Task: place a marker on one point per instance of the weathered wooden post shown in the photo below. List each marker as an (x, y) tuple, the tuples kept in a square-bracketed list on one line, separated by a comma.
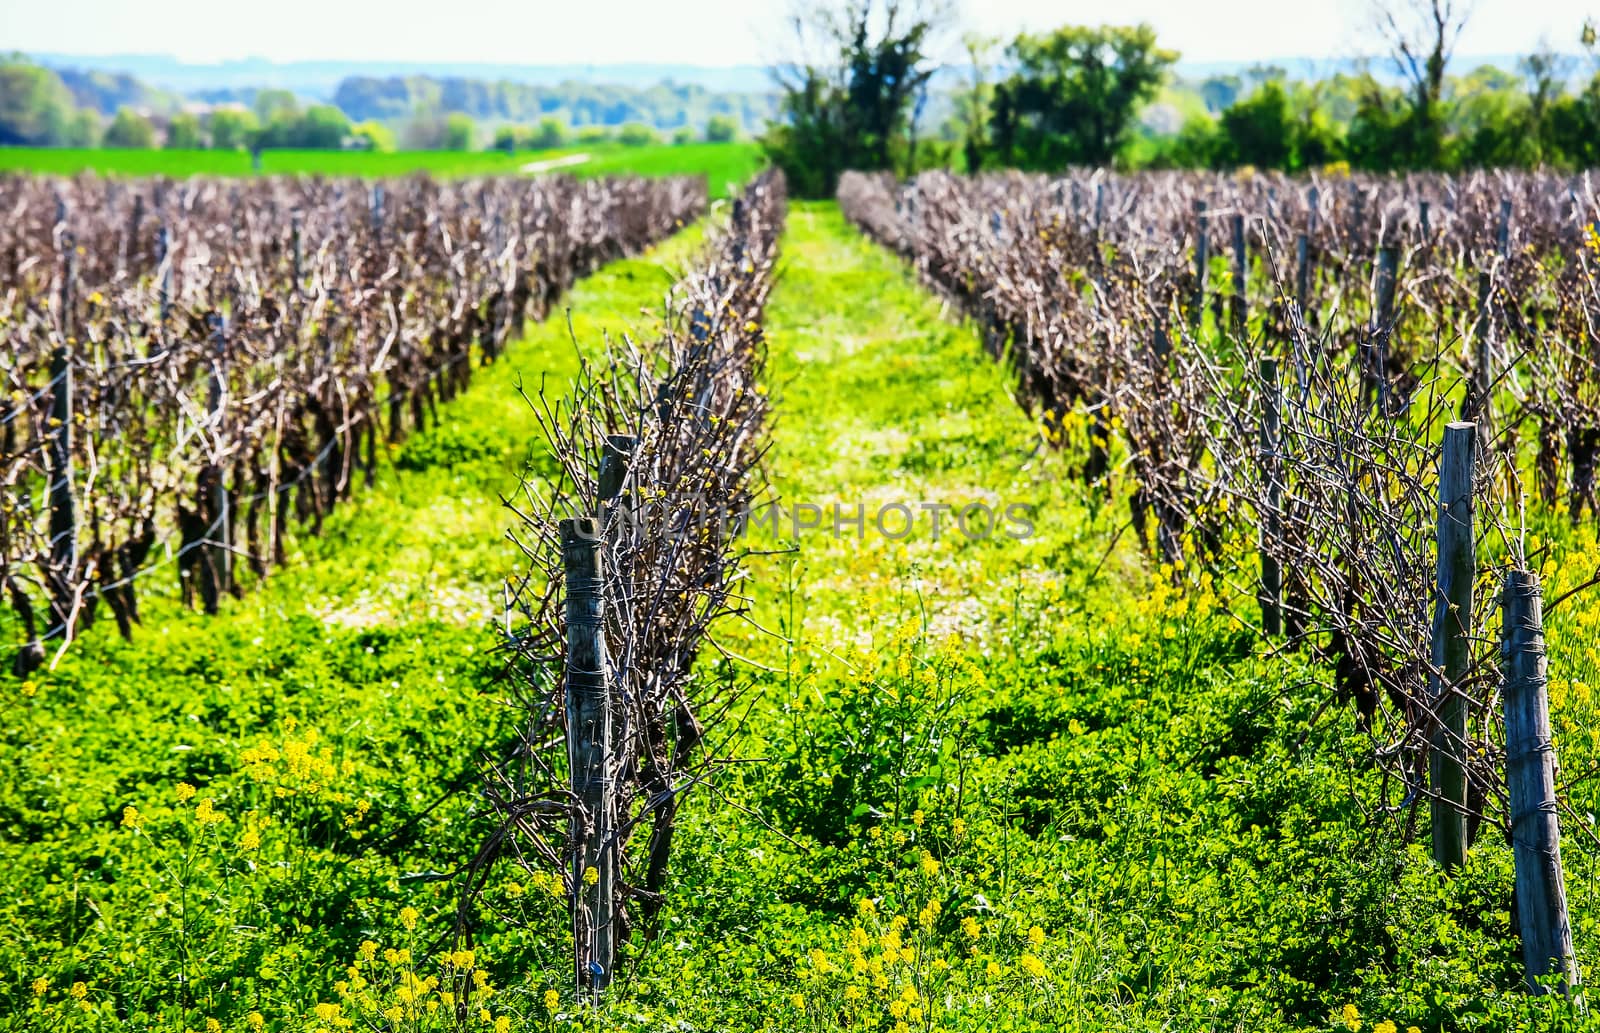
[(1427, 229), (1382, 330), (1482, 329), (592, 844), (1388, 274), (1358, 211), (294, 249), (1541, 890), (375, 211), (1241, 269), (1302, 274), (1452, 644), (63, 517), (1502, 236), (220, 536), (130, 247), (1202, 258), (1271, 519), (164, 264)]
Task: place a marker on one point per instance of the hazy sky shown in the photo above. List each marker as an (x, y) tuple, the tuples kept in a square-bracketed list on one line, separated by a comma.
[(702, 32)]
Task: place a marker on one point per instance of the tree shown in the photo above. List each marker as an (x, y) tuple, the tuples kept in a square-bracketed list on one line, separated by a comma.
[(129, 129), (232, 128), (1491, 123), (552, 133), (458, 132), (1574, 128), (83, 129), (1072, 97), (684, 135), (1220, 91), (272, 105), (974, 106), (183, 133), (35, 106), (373, 136), (721, 129), (849, 93), (1421, 35), (1544, 72), (1258, 130), (636, 134)]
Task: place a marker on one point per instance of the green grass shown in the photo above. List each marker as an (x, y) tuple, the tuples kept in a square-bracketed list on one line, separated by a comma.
[(997, 784), (721, 163)]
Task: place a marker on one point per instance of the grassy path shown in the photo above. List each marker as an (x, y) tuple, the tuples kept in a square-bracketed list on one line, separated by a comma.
[(890, 412)]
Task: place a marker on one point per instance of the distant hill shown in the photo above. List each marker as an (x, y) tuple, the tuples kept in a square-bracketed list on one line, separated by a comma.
[(105, 92), (319, 80), (665, 105)]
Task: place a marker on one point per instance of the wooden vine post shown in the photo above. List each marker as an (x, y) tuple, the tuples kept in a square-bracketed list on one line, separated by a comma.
[(220, 534), (63, 511), (1272, 519), (1241, 268), (1452, 644), (1482, 374), (592, 845), (1383, 323), (1541, 893), (63, 516), (1302, 274), (1202, 258)]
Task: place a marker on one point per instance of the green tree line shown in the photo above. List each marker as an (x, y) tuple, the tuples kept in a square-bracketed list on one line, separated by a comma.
[(1083, 95)]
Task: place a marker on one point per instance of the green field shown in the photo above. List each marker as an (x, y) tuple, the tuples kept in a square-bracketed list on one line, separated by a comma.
[(991, 784), (723, 164)]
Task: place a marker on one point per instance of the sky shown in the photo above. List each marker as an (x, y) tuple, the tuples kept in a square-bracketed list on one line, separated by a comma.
[(699, 32)]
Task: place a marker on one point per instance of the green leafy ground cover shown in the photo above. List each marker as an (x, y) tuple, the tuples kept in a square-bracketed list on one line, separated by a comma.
[(724, 164), (992, 783)]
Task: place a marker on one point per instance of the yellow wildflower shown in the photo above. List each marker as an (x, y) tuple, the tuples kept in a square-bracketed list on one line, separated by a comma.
[(918, 818), (969, 925), (1386, 1026), (1350, 1015), (79, 991), (930, 865), (213, 1026), (40, 986), (255, 1020), (591, 875), (131, 818), (185, 792), (408, 917), (1032, 966), (1036, 937), (799, 1002), (552, 1000)]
